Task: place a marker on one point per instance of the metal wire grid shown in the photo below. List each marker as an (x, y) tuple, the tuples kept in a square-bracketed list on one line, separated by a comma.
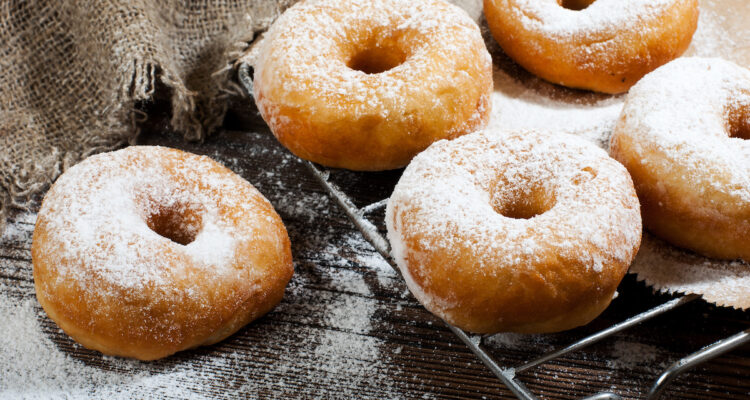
[(507, 375)]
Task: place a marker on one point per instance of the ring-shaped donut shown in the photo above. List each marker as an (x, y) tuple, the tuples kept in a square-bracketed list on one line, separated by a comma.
[(367, 84), (602, 45), (683, 136), (147, 251), (517, 231)]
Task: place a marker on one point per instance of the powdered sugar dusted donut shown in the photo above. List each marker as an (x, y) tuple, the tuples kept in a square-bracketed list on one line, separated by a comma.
[(367, 84), (147, 251), (683, 137), (521, 231), (602, 45)]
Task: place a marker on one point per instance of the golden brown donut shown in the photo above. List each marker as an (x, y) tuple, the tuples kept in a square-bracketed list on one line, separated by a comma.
[(367, 84), (602, 45), (683, 136), (147, 251), (514, 231)]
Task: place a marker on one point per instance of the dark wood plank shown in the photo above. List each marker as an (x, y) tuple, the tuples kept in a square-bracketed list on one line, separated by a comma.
[(348, 328)]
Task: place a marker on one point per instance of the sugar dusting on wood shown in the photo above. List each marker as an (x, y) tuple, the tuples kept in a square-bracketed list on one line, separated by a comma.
[(524, 101), (45, 363), (35, 367), (41, 362)]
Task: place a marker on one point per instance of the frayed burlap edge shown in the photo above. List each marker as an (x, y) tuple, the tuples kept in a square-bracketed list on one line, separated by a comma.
[(20, 191), (194, 114)]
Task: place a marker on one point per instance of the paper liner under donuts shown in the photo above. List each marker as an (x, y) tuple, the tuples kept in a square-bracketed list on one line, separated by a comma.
[(669, 269), (522, 100)]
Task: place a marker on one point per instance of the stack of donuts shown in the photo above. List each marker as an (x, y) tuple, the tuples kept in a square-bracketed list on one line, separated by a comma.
[(492, 230)]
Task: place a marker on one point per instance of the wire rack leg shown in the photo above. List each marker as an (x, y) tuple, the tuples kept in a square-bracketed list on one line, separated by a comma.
[(707, 353), (506, 375), (644, 316)]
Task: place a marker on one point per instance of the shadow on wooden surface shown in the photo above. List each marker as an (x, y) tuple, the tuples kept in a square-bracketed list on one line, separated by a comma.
[(347, 327)]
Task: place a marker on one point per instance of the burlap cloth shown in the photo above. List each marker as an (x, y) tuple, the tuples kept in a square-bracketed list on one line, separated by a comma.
[(72, 73)]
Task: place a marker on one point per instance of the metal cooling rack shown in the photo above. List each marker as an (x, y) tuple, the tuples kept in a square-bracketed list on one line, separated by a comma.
[(507, 374), (359, 216)]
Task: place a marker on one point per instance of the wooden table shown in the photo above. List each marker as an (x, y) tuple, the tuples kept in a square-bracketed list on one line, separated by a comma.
[(348, 327)]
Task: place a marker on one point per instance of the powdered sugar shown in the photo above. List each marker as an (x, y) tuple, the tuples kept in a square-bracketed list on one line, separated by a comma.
[(601, 18), (524, 105), (160, 247), (43, 373), (523, 101), (95, 216), (212, 246), (333, 340), (447, 203), (725, 283), (307, 60), (680, 112), (530, 344), (627, 355), (366, 255), (35, 368), (722, 31), (365, 84)]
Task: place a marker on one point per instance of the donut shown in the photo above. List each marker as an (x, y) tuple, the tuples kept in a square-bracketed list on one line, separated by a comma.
[(683, 136), (514, 231), (604, 46), (368, 84), (147, 251)]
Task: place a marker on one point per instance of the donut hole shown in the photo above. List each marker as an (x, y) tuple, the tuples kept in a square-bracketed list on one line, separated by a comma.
[(523, 204), (377, 58), (739, 122), (178, 222), (575, 5)]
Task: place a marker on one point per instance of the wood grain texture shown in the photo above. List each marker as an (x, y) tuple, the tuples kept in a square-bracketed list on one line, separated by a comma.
[(348, 328)]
